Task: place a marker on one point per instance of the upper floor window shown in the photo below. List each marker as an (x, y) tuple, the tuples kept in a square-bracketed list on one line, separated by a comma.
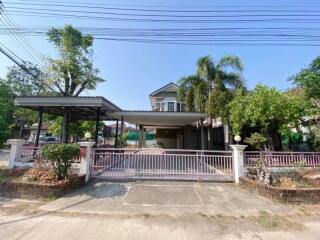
[(170, 106)]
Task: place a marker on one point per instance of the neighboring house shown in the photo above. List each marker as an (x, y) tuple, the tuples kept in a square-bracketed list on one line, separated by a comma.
[(33, 132)]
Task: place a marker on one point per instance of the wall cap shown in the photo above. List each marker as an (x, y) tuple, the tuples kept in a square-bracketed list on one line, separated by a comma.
[(86, 144), (16, 141), (238, 147)]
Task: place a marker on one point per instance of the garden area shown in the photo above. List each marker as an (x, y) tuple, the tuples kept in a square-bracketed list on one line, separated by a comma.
[(294, 184), (50, 177)]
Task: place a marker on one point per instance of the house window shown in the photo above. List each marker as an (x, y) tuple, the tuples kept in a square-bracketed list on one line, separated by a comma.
[(162, 107), (178, 107), (170, 106), (157, 106)]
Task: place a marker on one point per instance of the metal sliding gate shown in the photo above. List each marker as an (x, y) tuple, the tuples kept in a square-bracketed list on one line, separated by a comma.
[(162, 164)]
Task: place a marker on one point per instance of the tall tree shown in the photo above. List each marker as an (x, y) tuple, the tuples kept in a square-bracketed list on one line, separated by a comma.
[(72, 72), (6, 112), (26, 84), (210, 89), (22, 83), (309, 80)]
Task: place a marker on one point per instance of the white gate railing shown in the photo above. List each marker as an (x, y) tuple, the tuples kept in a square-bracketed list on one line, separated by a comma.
[(162, 164), (282, 159)]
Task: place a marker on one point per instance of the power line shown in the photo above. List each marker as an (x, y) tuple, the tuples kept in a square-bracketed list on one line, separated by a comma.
[(24, 39), (23, 67), (154, 20), (25, 45), (146, 8)]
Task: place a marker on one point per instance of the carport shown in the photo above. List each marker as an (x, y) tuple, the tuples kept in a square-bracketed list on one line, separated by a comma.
[(162, 120), (72, 109)]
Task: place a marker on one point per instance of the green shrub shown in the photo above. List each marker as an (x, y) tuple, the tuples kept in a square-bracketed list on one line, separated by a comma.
[(256, 140), (61, 157)]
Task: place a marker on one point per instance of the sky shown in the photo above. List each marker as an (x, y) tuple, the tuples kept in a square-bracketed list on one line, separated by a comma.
[(133, 70)]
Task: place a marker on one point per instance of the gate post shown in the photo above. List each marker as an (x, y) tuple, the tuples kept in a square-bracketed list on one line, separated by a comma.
[(85, 165), (238, 161), (15, 151)]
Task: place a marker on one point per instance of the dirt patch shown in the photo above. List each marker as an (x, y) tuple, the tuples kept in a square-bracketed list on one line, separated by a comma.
[(23, 207)]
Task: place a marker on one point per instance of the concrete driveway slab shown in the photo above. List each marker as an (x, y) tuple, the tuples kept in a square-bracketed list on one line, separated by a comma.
[(171, 198)]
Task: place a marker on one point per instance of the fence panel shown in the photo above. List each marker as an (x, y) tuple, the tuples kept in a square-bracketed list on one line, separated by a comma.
[(283, 159)]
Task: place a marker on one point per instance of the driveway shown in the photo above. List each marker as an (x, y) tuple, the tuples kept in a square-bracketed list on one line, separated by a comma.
[(165, 198), (4, 157), (158, 210)]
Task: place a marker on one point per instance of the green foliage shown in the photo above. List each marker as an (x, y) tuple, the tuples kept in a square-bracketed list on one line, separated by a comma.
[(272, 111), (309, 80), (217, 102), (6, 112), (61, 157), (23, 84), (207, 90), (77, 130), (73, 72), (256, 140)]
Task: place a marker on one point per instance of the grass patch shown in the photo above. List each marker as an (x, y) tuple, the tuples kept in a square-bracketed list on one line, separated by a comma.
[(275, 222)]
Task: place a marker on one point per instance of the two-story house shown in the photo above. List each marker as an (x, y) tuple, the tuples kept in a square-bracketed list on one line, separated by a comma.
[(165, 99)]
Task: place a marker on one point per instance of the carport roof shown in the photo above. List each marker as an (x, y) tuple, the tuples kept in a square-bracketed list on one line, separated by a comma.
[(151, 118), (81, 108)]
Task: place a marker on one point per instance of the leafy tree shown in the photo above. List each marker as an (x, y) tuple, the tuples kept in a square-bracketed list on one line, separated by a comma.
[(272, 111), (77, 130), (25, 84), (72, 72), (309, 80), (6, 112)]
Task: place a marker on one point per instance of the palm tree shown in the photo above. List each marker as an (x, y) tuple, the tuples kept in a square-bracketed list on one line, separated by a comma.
[(210, 81), (218, 75)]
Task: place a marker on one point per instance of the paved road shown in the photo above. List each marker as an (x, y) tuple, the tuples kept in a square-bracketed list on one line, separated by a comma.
[(4, 157), (158, 210)]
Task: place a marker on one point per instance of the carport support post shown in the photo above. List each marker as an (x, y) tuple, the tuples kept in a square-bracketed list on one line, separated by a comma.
[(116, 137), (97, 126), (65, 125), (202, 134), (238, 161), (39, 126), (121, 130)]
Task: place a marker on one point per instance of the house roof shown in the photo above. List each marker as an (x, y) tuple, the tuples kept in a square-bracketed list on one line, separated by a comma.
[(163, 88), (81, 108), (150, 118)]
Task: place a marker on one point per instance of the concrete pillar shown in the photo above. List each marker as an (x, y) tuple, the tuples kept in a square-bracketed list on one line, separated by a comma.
[(86, 161), (226, 134), (238, 161), (15, 152), (142, 137)]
